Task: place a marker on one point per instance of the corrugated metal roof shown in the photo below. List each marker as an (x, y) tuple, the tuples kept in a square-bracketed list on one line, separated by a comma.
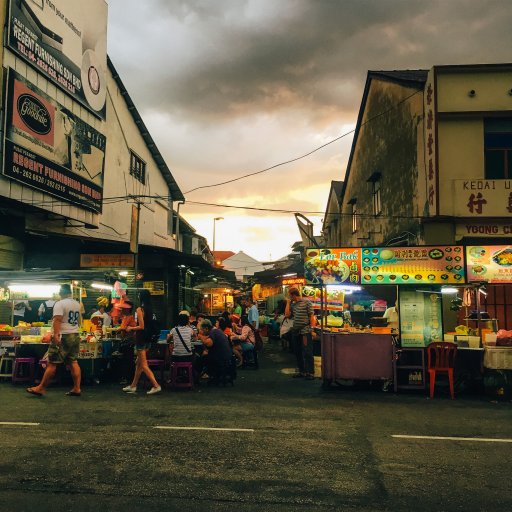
[(176, 193)]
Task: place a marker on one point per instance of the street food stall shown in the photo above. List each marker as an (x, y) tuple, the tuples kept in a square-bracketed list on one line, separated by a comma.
[(355, 290), (29, 340)]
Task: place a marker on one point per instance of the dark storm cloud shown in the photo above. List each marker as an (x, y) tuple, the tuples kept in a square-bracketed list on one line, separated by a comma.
[(228, 58)]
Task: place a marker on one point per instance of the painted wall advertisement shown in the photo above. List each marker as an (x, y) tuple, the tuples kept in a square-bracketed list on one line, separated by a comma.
[(420, 318), (48, 148), (482, 198), (490, 263), (413, 265), (66, 41)]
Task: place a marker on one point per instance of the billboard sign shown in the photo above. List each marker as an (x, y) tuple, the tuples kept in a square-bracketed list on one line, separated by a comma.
[(385, 265), (48, 148), (65, 41), (413, 265), (332, 266), (490, 263)]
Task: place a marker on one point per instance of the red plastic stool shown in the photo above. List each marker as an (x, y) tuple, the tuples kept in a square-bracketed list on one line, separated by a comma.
[(24, 368), (175, 367)]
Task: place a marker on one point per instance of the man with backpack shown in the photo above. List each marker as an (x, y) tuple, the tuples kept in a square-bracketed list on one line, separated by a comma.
[(302, 313)]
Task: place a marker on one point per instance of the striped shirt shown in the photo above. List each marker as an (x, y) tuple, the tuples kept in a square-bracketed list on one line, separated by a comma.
[(301, 311), (186, 333)]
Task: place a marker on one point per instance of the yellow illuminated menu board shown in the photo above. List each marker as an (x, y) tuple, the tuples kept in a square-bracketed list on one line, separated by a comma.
[(412, 265)]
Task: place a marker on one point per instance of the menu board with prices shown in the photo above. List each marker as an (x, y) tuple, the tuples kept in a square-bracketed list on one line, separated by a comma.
[(420, 318), (490, 263), (412, 265)]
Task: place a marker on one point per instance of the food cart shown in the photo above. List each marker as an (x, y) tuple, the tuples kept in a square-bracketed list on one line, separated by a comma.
[(424, 281)]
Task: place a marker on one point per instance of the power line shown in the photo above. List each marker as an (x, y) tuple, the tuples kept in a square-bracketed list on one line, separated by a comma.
[(310, 152), (118, 199)]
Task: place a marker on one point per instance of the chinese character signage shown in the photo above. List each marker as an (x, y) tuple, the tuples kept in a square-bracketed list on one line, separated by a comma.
[(482, 198), (490, 263), (412, 265), (385, 265), (49, 148), (332, 266), (65, 41), (431, 144)]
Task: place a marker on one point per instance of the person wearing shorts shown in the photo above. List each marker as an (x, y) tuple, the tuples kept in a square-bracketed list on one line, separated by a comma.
[(142, 345), (65, 343)]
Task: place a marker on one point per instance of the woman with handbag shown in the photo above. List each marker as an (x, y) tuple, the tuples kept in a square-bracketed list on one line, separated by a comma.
[(144, 317)]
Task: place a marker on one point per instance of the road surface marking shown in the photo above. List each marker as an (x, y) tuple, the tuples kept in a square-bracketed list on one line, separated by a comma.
[(19, 423), (206, 428), (445, 438)]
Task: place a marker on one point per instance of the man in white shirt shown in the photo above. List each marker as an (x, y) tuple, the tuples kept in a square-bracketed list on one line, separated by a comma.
[(391, 314), (106, 321), (20, 306), (65, 343)]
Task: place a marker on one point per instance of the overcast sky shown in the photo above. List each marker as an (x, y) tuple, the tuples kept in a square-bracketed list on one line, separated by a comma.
[(230, 87)]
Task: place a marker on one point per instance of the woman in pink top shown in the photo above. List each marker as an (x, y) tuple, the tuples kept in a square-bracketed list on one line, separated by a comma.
[(247, 338)]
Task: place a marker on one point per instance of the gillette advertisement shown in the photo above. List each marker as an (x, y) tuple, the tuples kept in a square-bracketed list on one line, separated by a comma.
[(66, 41), (48, 148)]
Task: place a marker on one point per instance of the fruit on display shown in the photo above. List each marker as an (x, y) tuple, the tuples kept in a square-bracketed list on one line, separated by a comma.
[(102, 301)]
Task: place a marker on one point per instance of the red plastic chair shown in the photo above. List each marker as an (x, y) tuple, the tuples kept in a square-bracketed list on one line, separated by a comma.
[(441, 358)]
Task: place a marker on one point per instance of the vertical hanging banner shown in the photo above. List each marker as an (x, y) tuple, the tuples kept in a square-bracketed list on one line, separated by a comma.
[(48, 148), (66, 41), (134, 229)]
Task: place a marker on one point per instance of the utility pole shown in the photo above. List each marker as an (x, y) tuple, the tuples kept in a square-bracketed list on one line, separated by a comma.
[(134, 238)]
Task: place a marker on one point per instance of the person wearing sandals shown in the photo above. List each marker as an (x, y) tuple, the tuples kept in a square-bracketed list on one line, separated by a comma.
[(144, 317), (65, 344), (302, 313)]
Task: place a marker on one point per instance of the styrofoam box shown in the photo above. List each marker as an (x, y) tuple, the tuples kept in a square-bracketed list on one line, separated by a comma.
[(498, 358)]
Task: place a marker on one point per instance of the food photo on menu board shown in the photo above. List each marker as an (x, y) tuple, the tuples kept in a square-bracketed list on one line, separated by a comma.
[(490, 263), (412, 265), (332, 266)]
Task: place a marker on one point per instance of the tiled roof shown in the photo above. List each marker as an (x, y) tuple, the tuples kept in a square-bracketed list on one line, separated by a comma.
[(222, 255)]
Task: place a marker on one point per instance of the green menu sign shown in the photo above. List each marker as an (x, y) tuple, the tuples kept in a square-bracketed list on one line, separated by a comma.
[(421, 320)]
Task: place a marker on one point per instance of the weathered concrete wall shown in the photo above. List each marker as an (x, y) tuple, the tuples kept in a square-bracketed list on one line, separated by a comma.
[(387, 144)]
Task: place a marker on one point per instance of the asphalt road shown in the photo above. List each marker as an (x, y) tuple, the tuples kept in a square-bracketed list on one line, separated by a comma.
[(298, 448)]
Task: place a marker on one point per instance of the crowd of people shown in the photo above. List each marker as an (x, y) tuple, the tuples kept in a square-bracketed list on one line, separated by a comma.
[(214, 348)]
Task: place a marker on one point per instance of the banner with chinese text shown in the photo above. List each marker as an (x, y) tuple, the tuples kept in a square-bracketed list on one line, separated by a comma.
[(332, 266), (482, 198), (413, 265)]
